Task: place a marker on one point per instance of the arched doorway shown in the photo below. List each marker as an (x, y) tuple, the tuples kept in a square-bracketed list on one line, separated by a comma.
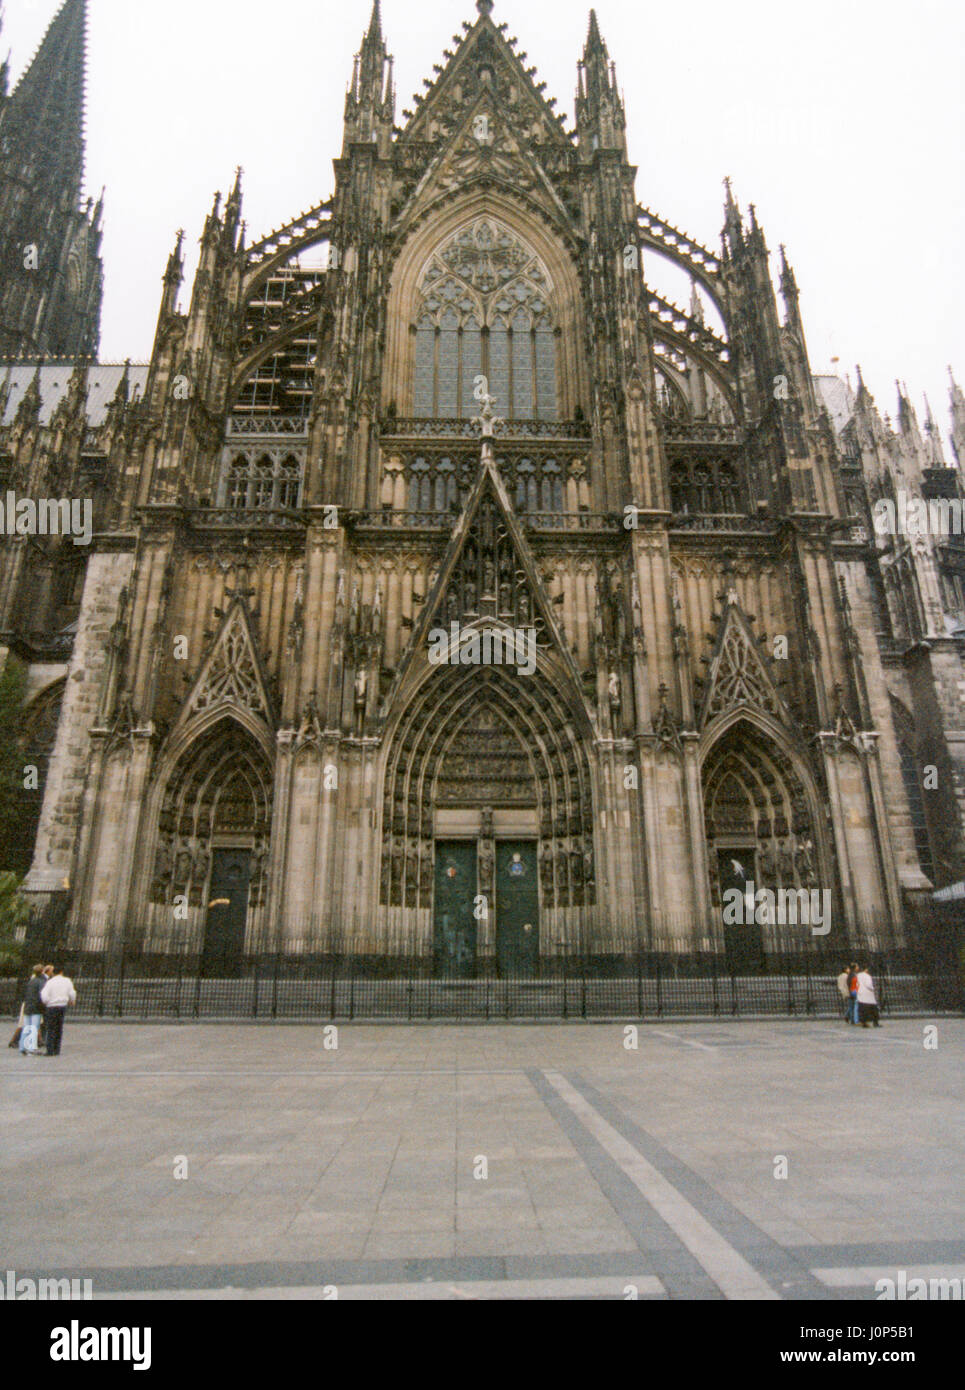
[(762, 831), (213, 836), (487, 848)]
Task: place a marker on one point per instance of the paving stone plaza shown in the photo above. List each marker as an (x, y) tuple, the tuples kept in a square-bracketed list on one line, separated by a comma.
[(473, 1162)]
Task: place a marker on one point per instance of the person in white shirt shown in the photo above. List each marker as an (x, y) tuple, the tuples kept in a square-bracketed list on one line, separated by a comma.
[(867, 999), (57, 995)]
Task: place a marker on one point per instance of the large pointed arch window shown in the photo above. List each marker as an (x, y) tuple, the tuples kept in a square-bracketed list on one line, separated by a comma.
[(485, 308)]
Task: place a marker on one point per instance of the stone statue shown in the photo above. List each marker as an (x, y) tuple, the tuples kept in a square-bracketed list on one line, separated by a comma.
[(361, 698), (202, 862), (182, 866), (805, 862), (546, 866)]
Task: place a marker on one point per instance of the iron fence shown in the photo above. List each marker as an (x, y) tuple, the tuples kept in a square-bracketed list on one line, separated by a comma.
[(138, 974)]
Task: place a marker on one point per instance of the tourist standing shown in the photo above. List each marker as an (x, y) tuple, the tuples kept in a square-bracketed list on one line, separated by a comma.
[(853, 991), (57, 995), (33, 1013), (843, 989), (867, 999)]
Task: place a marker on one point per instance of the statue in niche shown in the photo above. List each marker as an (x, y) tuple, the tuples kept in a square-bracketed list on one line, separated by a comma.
[(182, 866), (470, 596), (785, 862), (201, 864), (486, 865), (426, 875), (576, 865), (489, 577), (361, 698), (452, 605), (412, 871), (546, 863), (588, 866), (163, 865), (767, 858), (613, 689), (505, 598), (805, 862), (398, 864), (523, 607)]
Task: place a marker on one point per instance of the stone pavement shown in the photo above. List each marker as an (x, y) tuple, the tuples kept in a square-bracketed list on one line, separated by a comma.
[(483, 1162)]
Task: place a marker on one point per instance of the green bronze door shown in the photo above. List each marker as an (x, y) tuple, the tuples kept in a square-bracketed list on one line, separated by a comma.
[(455, 900), (517, 907), (224, 935)]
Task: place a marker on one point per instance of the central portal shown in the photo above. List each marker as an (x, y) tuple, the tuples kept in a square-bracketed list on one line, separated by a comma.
[(465, 910)]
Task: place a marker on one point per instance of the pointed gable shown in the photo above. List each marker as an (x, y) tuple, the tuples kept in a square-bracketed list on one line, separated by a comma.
[(232, 675), (738, 674), (486, 112), (488, 578)]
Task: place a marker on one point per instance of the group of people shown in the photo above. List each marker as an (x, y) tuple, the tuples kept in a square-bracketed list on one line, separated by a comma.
[(48, 996), (857, 989)]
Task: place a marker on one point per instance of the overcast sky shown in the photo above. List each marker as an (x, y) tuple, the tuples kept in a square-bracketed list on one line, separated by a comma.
[(840, 119)]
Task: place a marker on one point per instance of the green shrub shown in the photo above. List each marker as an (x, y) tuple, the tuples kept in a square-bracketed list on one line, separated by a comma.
[(14, 915)]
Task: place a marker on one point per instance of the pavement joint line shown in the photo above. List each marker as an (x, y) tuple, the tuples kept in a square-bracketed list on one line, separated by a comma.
[(645, 1286), (734, 1276), (688, 1042)]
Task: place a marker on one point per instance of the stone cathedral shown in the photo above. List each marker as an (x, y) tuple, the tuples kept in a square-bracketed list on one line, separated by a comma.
[(445, 399)]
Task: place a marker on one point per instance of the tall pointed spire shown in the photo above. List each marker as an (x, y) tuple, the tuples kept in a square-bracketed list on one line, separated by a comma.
[(44, 117), (42, 308), (370, 103), (600, 118)]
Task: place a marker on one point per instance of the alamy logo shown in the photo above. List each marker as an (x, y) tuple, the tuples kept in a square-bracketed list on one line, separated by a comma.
[(913, 516), (47, 516), (24, 1290), (769, 907), (489, 646), (916, 1290), (76, 1343)]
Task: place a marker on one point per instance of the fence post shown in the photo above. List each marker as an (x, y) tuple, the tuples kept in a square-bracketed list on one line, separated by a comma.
[(121, 974), (276, 954)]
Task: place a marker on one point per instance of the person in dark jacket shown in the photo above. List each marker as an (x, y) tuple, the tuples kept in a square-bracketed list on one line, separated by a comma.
[(33, 1013)]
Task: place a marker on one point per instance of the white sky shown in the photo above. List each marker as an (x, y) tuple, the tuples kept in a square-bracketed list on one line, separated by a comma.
[(840, 119)]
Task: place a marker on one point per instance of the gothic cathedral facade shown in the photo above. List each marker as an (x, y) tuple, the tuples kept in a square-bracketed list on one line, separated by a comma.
[(453, 593)]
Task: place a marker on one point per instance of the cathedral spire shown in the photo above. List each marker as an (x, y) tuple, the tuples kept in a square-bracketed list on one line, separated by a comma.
[(43, 308), (370, 103), (44, 117), (600, 118)]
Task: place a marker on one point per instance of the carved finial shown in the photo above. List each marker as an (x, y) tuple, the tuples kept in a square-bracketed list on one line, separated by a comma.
[(485, 7)]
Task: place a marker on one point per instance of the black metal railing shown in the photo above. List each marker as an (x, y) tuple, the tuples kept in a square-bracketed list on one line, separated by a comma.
[(336, 974)]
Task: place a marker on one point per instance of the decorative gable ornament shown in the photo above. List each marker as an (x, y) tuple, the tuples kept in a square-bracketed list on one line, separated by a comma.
[(232, 675), (738, 675)]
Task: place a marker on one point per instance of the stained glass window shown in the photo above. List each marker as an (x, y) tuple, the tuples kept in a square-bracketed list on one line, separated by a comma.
[(485, 311)]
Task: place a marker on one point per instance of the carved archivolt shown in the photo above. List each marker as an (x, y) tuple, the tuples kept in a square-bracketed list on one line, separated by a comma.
[(483, 737), (756, 804), (221, 788)]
